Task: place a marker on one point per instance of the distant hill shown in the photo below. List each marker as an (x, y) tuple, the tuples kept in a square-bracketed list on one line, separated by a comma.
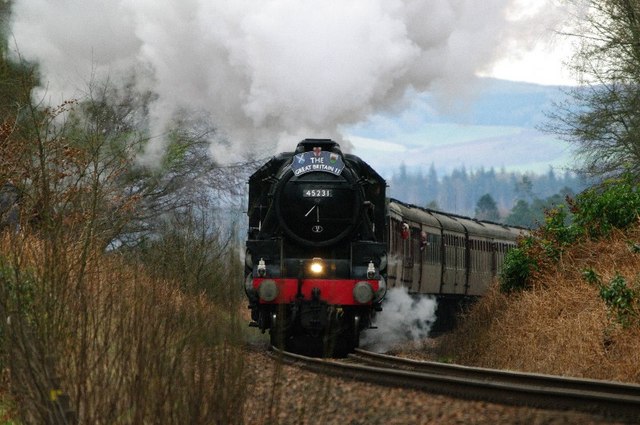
[(496, 126)]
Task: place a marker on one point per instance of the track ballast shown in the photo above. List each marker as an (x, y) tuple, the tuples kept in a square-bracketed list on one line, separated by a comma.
[(610, 399)]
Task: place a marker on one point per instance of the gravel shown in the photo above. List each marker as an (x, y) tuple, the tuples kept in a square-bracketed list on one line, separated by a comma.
[(283, 394)]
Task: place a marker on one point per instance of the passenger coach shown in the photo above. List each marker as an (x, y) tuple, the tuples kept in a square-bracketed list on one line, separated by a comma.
[(445, 255)]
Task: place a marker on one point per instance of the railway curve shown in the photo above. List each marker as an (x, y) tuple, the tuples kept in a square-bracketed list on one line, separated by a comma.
[(610, 399)]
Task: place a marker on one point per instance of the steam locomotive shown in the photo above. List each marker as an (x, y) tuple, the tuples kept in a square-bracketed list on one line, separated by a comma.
[(324, 243)]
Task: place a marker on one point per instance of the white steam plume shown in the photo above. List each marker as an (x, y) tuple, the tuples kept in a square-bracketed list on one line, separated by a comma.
[(403, 319), (271, 71)]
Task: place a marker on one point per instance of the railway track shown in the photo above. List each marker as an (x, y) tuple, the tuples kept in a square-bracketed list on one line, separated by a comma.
[(610, 399)]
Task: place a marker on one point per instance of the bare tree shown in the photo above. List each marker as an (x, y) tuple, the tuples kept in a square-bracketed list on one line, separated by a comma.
[(110, 128), (602, 117), (92, 337)]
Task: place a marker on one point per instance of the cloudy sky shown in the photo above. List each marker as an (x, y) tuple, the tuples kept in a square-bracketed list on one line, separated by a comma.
[(271, 72), (539, 56)]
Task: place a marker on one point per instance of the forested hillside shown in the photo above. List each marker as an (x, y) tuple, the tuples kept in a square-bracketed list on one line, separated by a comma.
[(460, 191)]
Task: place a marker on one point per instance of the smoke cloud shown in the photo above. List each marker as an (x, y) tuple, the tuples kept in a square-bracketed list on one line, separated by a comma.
[(268, 73), (403, 319)]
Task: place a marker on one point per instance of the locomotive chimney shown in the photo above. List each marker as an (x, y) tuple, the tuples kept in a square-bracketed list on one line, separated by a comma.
[(329, 145)]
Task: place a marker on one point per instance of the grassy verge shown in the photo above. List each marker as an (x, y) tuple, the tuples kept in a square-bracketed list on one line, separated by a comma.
[(563, 324)]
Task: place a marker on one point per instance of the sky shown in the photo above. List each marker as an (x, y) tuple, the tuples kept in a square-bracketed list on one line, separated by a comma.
[(545, 64), (270, 73), (542, 54)]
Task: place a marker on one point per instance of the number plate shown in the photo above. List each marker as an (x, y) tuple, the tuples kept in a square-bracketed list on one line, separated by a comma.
[(317, 193)]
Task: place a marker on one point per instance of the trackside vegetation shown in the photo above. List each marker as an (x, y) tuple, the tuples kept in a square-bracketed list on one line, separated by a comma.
[(568, 299), (119, 295), (594, 214)]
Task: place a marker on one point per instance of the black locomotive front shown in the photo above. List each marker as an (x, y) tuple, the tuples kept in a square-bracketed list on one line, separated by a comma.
[(316, 257)]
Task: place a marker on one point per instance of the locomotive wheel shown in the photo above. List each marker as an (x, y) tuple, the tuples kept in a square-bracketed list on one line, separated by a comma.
[(341, 338), (278, 335)]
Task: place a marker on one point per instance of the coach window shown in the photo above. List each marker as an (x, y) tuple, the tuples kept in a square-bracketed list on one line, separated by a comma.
[(451, 251), (395, 235), (447, 249), (462, 251), (410, 242), (433, 248), (473, 249)]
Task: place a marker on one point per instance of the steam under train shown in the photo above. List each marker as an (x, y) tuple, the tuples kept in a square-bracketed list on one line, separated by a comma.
[(324, 244)]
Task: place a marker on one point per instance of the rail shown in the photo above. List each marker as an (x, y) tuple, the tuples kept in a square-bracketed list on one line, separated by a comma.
[(610, 399)]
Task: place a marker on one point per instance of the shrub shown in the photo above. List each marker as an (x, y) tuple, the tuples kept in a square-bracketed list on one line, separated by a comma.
[(613, 204), (543, 246), (517, 268), (558, 228), (591, 276), (594, 213), (89, 325), (620, 299)]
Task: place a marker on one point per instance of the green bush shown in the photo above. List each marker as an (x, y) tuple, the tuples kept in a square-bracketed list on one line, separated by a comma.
[(544, 245), (517, 268), (618, 296), (594, 213), (613, 204), (620, 299), (559, 228), (591, 276)]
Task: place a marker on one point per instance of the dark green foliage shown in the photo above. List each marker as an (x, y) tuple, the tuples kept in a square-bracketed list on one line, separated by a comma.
[(545, 245), (558, 228), (591, 276), (487, 209), (617, 295), (613, 204), (619, 299), (522, 215), (517, 268)]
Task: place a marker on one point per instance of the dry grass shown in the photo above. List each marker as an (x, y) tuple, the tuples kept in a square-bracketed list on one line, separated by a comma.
[(562, 326), (115, 345), (88, 336)]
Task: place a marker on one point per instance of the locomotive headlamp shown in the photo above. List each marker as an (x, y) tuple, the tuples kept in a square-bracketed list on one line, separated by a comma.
[(262, 268), (268, 290), (316, 266), (371, 270), (363, 292)]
